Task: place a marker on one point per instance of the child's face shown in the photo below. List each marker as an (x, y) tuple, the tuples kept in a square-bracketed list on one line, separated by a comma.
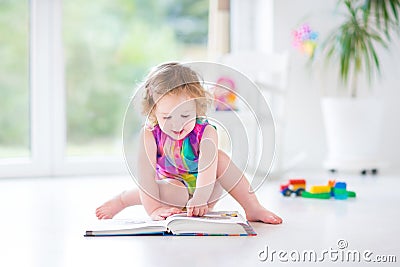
[(176, 115)]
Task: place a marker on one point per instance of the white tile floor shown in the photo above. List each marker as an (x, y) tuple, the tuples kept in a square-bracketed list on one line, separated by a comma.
[(43, 221)]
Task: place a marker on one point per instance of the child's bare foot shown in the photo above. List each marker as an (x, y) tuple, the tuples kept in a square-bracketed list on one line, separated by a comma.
[(110, 208), (260, 214)]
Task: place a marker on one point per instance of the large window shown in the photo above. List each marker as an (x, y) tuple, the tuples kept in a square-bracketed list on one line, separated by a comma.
[(14, 79), (68, 69), (109, 46)]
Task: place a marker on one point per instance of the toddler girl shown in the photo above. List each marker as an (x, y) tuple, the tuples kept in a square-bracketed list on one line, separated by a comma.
[(179, 164)]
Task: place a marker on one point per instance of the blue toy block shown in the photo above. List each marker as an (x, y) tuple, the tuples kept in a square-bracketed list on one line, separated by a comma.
[(340, 185)]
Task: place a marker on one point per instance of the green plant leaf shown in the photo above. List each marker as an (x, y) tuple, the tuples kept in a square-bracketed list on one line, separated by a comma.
[(366, 8), (374, 55), (367, 58), (368, 23), (394, 4), (386, 19), (378, 13), (346, 54)]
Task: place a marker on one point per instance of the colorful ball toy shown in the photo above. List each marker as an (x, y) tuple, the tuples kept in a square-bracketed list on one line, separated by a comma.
[(225, 97), (305, 39)]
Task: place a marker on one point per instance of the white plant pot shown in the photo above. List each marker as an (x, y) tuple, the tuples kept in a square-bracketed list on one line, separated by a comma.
[(353, 133)]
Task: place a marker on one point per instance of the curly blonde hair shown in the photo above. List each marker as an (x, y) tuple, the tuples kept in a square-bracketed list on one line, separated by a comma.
[(172, 79)]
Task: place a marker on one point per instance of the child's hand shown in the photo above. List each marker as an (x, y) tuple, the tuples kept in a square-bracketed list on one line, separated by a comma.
[(194, 209), (162, 213)]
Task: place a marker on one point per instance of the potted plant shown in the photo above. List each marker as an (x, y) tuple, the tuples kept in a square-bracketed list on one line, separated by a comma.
[(352, 122)]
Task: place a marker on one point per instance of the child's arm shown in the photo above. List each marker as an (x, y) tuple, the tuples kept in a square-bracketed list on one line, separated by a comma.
[(149, 191), (207, 166)]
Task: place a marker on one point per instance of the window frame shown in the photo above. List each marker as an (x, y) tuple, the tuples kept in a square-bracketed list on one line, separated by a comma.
[(47, 106), (35, 164), (47, 102)]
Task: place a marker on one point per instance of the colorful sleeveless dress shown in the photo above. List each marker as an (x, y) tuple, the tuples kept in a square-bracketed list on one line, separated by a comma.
[(178, 159)]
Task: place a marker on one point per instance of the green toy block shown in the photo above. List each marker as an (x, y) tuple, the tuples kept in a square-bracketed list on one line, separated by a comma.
[(307, 194), (351, 194), (343, 192), (339, 191)]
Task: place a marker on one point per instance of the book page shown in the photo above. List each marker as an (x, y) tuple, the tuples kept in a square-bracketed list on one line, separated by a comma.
[(125, 227), (121, 224), (213, 223), (211, 217)]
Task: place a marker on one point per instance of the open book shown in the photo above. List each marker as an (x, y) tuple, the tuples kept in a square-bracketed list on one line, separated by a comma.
[(213, 223)]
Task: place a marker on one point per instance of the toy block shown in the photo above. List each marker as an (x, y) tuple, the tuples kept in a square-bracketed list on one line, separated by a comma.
[(307, 194), (351, 194), (316, 189), (297, 181), (334, 189), (339, 193), (340, 185)]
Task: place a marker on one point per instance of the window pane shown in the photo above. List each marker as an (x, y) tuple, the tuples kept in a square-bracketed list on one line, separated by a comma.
[(14, 78), (109, 47)]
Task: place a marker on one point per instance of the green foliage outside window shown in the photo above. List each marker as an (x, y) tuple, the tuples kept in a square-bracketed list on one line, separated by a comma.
[(14, 78), (108, 48), (111, 45)]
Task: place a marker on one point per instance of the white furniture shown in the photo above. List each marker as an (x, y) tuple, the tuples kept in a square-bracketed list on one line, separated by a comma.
[(270, 73), (353, 129)]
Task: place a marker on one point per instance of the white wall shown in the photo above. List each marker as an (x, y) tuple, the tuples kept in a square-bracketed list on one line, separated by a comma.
[(252, 25), (305, 127)]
